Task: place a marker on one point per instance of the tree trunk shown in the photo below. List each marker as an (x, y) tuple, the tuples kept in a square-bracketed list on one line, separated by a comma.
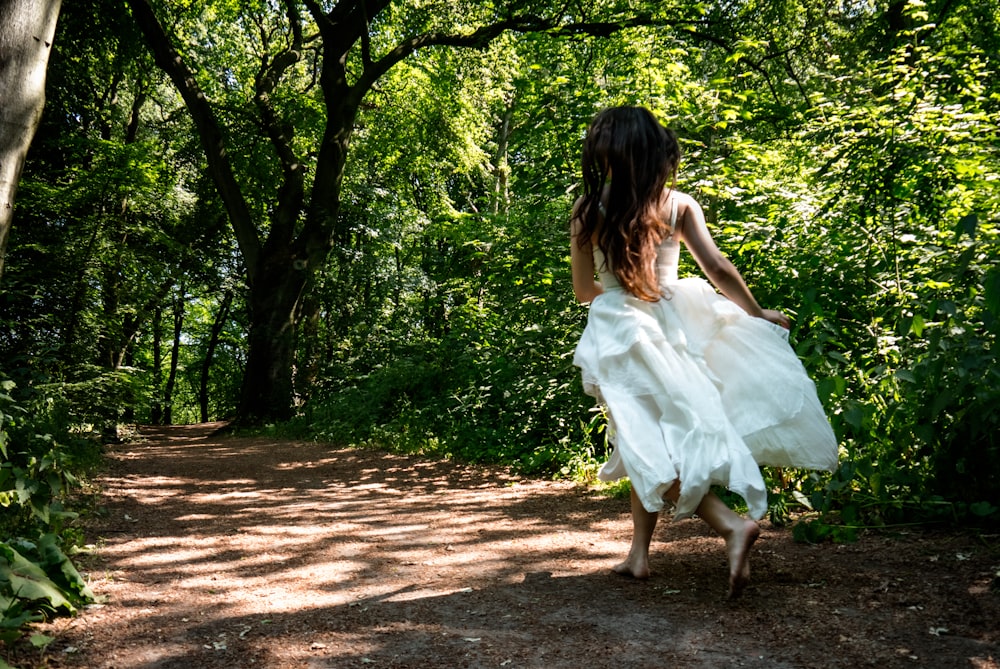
[(501, 170), (156, 410), (175, 353), (213, 342), (267, 391), (308, 352), (26, 31)]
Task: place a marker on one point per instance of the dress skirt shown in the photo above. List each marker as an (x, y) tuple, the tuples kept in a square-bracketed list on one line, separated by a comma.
[(700, 392)]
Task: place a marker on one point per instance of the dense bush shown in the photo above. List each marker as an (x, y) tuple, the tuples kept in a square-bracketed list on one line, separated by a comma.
[(41, 459)]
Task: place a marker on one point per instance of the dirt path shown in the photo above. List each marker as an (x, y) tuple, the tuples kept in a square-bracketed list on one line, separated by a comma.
[(236, 553)]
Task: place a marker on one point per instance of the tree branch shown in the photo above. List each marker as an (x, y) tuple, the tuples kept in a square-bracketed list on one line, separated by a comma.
[(366, 42), (482, 37), (291, 193), (754, 65)]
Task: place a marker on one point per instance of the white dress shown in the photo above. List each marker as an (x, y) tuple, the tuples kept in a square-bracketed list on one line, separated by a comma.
[(697, 390)]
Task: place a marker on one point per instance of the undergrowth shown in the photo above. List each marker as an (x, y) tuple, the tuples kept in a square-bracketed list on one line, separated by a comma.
[(42, 459)]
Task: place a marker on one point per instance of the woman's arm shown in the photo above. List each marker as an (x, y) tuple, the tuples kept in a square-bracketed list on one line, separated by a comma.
[(582, 262), (693, 230)]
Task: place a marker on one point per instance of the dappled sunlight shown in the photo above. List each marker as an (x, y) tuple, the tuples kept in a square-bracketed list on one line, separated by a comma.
[(298, 466), (262, 532), (287, 555), (146, 555)]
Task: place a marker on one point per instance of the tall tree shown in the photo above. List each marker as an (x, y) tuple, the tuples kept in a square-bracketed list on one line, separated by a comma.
[(352, 46), (26, 31)]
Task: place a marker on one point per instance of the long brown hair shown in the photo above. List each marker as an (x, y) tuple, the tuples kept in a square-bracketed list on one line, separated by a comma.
[(633, 154)]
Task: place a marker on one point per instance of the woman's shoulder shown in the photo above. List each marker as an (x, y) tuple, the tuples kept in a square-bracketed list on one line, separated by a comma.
[(683, 199), (673, 202), (686, 204), (687, 209)]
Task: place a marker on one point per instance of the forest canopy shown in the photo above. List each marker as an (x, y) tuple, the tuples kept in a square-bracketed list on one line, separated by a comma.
[(349, 220)]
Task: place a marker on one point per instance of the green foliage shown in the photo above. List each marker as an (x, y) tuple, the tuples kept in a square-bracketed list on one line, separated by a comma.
[(38, 579), (93, 398), (911, 356), (114, 222), (40, 461), (493, 381)]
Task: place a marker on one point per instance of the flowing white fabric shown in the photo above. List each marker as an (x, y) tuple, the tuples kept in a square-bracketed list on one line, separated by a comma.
[(698, 391)]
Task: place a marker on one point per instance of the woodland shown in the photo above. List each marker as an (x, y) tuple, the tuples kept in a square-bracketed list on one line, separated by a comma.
[(347, 222)]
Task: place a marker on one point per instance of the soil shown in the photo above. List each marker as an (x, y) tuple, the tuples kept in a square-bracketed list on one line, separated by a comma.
[(217, 551)]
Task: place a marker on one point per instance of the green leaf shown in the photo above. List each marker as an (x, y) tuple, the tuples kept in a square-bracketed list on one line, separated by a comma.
[(55, 557), (802, 499), (41, 640), (26, 580), (983, 509)]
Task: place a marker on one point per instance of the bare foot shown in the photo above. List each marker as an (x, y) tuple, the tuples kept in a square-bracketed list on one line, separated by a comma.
[(634, 567), (738, 548)]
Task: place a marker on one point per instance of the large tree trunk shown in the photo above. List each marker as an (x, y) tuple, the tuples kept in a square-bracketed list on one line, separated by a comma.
[(268, 389), (279, 268), (26, 31)]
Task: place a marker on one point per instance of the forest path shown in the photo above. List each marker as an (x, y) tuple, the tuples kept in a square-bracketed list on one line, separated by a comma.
[(225, 551)]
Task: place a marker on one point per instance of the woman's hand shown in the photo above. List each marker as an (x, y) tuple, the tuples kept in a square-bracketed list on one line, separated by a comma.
[(777, 318)]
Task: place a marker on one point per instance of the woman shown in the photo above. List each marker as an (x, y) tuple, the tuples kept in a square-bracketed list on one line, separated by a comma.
[(700, 388)]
